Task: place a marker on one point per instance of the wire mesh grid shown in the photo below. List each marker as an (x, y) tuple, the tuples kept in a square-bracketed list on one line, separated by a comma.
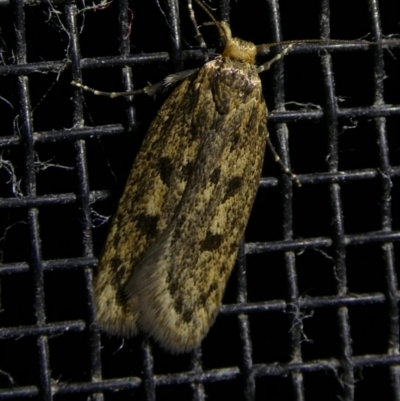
[(311, 309)]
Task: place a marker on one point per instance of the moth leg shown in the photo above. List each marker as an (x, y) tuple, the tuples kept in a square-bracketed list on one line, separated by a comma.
[(282, 165), (199, 36), (150, 90), (108, 94), (277, 158), (267, 65), (168, 81)]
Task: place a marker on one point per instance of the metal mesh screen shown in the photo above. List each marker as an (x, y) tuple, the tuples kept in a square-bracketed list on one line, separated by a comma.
[(311, 309)]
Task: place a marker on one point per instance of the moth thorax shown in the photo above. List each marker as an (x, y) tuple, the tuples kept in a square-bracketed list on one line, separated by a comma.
[(240, 50)]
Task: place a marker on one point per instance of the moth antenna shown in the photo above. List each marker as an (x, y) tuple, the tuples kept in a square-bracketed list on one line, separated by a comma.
[(268, 46), (199, 36), (224, 34)]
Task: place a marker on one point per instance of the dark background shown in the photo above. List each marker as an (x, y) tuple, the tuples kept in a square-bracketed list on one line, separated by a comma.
[(311, 310)]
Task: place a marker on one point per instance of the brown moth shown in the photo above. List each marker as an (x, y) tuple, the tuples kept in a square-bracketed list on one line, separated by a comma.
[(175, 237)]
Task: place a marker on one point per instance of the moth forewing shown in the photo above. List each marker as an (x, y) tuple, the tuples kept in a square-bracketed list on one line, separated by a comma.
[(174, 239), (180, 287), (152, 192)]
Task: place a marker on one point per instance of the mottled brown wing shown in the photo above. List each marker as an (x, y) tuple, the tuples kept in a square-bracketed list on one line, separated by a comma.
[(153, 191), (179, 284)]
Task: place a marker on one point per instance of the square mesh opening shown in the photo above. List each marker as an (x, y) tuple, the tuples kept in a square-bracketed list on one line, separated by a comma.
[(310, 311)]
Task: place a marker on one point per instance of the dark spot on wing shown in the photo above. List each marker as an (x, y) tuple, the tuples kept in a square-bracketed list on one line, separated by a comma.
[(234, 142), (173, 287), (211, 242), (202, 299), (178, 304), (177, 234), (225, 268), (207, 295), (187, 169), (215, 175), (233, 187), (234, 247), (116, 240), (187, 315), (148, 156), (147, 224), (165, 169), (121, 296), (213, 287)]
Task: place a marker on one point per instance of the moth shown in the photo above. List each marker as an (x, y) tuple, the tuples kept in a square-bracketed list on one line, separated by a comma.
[(175, 236)]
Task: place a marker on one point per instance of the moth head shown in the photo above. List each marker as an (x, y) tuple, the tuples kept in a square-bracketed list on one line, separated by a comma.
[(237, 49)]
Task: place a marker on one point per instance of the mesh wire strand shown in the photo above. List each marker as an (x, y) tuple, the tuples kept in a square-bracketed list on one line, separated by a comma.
[(311, 309)]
